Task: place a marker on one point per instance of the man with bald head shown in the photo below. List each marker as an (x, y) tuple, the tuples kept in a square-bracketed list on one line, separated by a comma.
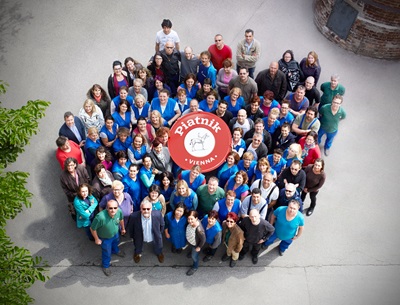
[(272, 79), (171, 58), (241, 121), (312, 93), (105, 230), (189, 63), (193, 107), (256, 231)]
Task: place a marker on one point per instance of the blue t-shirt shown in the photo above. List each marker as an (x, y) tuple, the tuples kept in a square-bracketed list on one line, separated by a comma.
[(287, 229)]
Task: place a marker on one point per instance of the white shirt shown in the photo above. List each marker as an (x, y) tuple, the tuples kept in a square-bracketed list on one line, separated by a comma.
[(265, 192), (162, 38)]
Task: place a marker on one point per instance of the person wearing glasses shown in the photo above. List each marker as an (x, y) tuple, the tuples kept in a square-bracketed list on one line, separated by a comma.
[(257, 148), (293, 174), (117, 79), (219, 52), (105, 230), (171, 58), (286, 194), (146, 226), (233, 239), (330, 115), (123, 199)]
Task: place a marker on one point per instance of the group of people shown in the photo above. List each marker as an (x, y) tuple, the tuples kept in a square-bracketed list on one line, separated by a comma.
[(119, 177)]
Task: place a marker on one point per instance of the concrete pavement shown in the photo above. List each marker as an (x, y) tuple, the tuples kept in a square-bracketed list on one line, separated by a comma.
[(349, 253)]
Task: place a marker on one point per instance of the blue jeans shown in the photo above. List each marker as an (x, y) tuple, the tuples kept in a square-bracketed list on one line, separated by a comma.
[(284, 244), (195, 258), (109, 246), (329, 137)]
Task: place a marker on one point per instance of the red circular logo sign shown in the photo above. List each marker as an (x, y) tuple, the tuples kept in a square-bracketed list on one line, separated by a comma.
[(199, 138)]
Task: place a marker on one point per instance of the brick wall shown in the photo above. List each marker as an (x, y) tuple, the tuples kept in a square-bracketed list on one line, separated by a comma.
[(375, 32)]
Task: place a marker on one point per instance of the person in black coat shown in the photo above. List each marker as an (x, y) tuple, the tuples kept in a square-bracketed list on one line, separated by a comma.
[(146, 226), (282, 137), (73, 129), (257, 148)]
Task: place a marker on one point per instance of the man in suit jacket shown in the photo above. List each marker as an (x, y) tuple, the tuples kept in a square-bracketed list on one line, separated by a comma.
[(146, 226), (73, 129)]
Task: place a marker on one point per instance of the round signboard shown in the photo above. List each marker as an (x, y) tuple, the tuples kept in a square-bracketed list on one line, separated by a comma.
[(199, 138)]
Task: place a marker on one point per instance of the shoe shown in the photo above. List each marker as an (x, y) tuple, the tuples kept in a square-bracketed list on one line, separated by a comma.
[(241, 256), (254, 260), (160, 258), (179, 251), (207, 258), (281, 252), (120, 254), (107, 271), (326, 152), (173, 249), (309, 212), (225, 257), (264, 246), (232, 263), (137, 257), (191, 271)]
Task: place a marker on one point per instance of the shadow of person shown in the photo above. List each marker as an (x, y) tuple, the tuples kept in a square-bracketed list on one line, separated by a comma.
[(72, 258)]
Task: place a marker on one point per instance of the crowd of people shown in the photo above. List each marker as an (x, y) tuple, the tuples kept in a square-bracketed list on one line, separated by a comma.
[(120, 179)]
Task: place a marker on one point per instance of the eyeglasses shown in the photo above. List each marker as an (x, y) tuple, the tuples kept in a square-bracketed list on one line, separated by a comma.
[(146, 209), (113, 208), (230, 221)]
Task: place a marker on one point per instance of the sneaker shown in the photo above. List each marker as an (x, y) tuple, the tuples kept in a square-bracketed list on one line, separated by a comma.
[(232, 263), (107, 271), (309, 212), (225, 257), (207, 258), (281, 252), (120, 254), (254, 260), (326, 152), (191, 271)]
